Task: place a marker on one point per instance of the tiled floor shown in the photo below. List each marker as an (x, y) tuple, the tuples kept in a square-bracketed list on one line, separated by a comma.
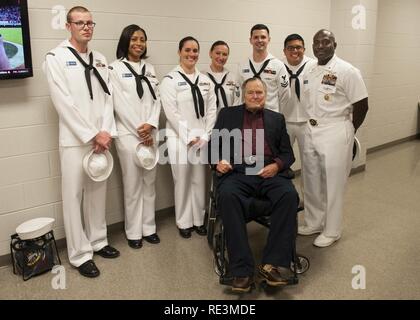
[(382, 217)]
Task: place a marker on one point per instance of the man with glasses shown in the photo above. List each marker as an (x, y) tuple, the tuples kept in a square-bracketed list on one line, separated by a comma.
[(81, 93), (337, 105), (265, 66), (295, 112)]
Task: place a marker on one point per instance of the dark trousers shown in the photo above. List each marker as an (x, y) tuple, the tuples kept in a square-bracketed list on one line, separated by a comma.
[(235, 192)]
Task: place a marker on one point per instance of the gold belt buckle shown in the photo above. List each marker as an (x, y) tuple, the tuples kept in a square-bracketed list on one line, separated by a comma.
[(313, 122)]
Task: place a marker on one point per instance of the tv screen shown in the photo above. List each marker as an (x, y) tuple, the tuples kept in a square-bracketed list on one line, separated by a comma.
[(15, 47)]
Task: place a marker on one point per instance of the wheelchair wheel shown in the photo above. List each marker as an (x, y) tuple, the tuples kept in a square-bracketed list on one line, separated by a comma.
[(220, 260), (302, 265), (210, 221)]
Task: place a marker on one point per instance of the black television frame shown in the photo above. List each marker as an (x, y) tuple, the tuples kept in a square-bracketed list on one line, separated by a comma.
[(26, 42)]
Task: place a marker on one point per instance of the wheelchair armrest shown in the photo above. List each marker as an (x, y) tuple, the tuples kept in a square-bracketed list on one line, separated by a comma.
[(289, 173)]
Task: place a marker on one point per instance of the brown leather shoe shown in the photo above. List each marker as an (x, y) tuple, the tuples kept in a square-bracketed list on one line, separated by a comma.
[(242, 284), (272, 275)]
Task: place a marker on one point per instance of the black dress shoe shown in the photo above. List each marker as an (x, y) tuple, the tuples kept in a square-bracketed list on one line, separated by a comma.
[(153, 238), (108, 252), (135, 244), (89, 269), (185, 233), (242, 284), (201, 230)]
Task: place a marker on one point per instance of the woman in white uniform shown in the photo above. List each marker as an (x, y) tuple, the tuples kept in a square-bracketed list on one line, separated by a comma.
[(137, 108), (226, 83), (189, 103)]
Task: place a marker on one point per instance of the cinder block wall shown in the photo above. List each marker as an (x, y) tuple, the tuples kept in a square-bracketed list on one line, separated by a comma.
[(30, 184), (395, 87)]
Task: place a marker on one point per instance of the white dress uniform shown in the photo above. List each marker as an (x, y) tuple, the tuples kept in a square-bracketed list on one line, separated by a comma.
[(184, 124), (80, 120), (295, 111), (231, 88), (331, 91), (274, 75), (131, 111)]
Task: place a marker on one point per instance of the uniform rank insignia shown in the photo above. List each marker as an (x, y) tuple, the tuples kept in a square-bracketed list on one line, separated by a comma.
[(99, 64), (270, 71), (329, 79), (285, 82), (71, 63)]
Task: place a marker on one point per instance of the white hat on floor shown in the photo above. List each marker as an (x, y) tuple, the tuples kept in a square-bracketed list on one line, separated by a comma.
[(146, 157), (98, 166), (34, 228)]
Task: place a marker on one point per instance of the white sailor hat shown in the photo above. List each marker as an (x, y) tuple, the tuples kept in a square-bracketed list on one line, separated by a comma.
[(34, 228), (146, 157), (98, 166), (356, 151)]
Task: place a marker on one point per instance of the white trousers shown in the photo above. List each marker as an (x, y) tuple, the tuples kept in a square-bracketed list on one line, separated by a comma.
[(326, 163), (190, 186), (83, 236), (139, 191), (296, 131)]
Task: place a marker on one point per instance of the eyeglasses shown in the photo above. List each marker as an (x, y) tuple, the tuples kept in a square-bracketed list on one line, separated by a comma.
[(81, 24), (293, 48)]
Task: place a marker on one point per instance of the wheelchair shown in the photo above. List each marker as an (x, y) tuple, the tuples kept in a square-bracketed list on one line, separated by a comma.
[(216, 237)]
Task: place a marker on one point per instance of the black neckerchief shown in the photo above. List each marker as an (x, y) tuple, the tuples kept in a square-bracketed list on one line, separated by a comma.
[(139, 78), (296, 77), (89, 67), (258, 74), (219, 87), (196, 94)]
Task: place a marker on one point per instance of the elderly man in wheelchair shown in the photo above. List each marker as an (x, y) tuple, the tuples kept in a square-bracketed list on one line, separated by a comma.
[(251, 154)]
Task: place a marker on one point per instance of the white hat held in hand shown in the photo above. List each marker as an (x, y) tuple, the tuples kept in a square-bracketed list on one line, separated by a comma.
[(98, 166), (146, 157)]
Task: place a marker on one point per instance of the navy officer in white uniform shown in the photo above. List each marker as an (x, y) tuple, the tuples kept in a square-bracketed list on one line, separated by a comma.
[(337, 106), (78, 78)]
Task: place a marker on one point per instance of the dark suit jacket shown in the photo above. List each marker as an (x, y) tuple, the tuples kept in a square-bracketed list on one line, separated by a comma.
[(274, 130)]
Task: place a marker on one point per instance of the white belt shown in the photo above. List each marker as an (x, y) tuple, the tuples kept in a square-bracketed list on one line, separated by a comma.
[(315, 122)]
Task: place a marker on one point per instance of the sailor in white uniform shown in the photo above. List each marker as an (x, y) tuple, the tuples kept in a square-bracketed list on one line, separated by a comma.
[(226, 83), (189, 103), (78, 78), (337, 106), (137, 109), (295, 113), (265, 66)]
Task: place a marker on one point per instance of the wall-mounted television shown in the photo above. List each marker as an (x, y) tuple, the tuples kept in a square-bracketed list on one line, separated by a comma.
[(15, 46)]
